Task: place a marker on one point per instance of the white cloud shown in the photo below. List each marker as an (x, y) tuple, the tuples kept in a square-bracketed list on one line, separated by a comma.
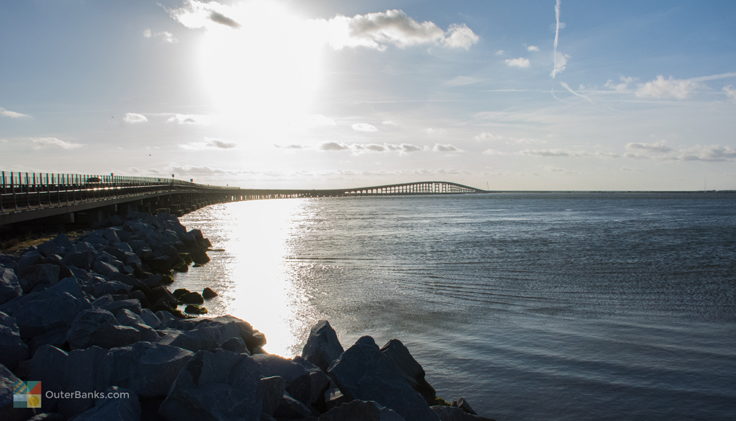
[(46, 142), (659, 147), (389, 123), (364, 127), (209, 143), (708, 153), (190, 119), (196, 14), (445, 148), (667, 88), (134, 118), (358, 148), (463, 81), (500, 52), (730, 92), (532, 48), (165, 36), (497, 138), (520, 62), (319, 120), (12, 114), (460, 36), (334, 146), (560, 63), (622, 86)]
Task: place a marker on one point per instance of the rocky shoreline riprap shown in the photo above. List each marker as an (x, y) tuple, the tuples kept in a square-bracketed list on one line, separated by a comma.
[(95, 315)]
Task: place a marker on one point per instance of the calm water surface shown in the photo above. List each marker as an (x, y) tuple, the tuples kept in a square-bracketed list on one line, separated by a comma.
[(532, 306)]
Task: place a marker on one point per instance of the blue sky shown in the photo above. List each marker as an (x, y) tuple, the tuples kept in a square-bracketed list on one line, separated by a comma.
[(345, 93)]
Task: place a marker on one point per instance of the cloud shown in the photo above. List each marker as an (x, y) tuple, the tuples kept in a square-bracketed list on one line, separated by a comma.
[(165, 36), (364, 127), (12, 114), (708, 153), (730, 92), (500, 52), (333, 146), (134, 118), (445, 148), (494, 137), (560, 63), (655, 147), (292, 146), (519, 62), (47, 142), (319, 120), (460, 36), (622, 86), (577, 94), (561, 153), (190, 119), (196, 14), (463, 81), (389, 123), (394, 27), (533, 48), (209, 143), (667, 88), (559, 58)]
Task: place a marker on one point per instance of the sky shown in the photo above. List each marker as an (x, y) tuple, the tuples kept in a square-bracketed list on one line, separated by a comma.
[(496, 94)]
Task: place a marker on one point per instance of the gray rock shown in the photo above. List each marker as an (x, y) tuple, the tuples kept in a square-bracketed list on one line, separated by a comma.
[(235, 344), (274, 365), (210, 333), (218, 385), (322, 347), (147, 368), (12, 348), (114, 306), (150, 318), (409, 368), (464, 405), (358, 410), (9, 285), (114, 409), (27, 259), (273, 388), (47, 310), (40, 275), (59, 245), (105, 268), (208, 293), (452, 413), (83, 259), (291, 408), (363, 372), (99, 327)]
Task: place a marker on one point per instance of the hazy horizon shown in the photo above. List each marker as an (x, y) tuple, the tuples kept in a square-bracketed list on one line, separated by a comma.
[(505, 95)]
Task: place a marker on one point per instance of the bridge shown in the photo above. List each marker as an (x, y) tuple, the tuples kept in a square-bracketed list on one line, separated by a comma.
[(89, 198)]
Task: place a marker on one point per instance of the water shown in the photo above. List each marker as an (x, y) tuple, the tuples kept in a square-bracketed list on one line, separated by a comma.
[(532, 306)]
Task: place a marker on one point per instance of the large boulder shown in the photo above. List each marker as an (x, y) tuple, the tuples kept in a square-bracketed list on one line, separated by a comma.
[(409, 368), (118, 405), (218, 385), (99, 327), (363, 372), (39, 276), (357, 410), (59, 245), (12, 348), (211, 333), (322, 347), (453, 413), (9, 285), (43, 311)]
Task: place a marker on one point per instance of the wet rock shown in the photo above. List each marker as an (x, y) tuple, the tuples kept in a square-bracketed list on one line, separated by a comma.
[(409, 368), (9, 285), (215, 385), (451, 413), (322, 347), (358, 410), (195, 309), (273, 388), (12, 348), (208, 293), (363, 372), (47, 310), (120, 409), (191, 298), (464, 405)]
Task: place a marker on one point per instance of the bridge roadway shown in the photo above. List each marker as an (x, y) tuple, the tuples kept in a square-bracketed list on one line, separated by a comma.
[(70, 198)]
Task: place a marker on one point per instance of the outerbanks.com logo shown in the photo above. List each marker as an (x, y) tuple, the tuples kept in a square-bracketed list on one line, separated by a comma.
[(28, 394)]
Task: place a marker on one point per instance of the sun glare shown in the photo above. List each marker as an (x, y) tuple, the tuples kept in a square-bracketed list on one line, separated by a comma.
[(266, 71)]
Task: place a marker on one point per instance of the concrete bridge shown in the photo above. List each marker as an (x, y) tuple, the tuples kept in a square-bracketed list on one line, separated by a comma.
[(89, 198)]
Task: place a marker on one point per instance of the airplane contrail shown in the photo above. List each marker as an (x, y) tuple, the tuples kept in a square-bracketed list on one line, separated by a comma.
[(557, 37)]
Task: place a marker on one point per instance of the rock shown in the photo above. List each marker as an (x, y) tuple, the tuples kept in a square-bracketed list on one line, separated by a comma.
[(409, 368), (9, 285), (59, 245), (114, 409), (12, 348), (322, 347), (363, 372), (464, 405), (147, 368), (274, 365), (27, 259), (195, 309), (291, 408), (358, 410), (115, 306), (191, 298), (235, 344), (451, 413), (150, 318), (47, 416), (8, 380), (210, 333), (105, 269), (208, 293), (47, 310), (99, 327), (273, 388), (215, 385), (42, 275), (82, 259), (126, 317), (333, 397)]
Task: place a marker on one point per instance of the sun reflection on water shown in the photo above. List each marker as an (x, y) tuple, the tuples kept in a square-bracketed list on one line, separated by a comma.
[(249, 268)]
